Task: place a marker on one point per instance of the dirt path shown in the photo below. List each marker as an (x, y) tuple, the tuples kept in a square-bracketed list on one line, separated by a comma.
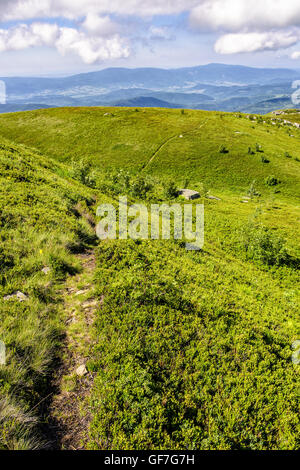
[(169, 140), (68, 422)]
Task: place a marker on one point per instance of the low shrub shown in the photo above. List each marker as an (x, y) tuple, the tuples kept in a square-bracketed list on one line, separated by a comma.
[(272, 181), (171, 190), (81, 170), (260, 244), (252, 191), (223, 149), (140, 187)]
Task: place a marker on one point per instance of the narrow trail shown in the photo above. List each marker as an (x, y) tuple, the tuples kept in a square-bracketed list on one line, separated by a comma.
[(169, 140), (67, 412), (68, 425)]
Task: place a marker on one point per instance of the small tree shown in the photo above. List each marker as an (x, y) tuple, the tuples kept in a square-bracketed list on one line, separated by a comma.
[(140, 187), (171, 190), (252, 191), (272, 181), (81, 171), (260, 244), (223, 149)]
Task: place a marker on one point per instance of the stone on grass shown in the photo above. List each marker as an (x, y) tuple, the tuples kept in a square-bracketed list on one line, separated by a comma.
[(17, 295), (189, 194), (81, 371), (46, 270), (81, 292)]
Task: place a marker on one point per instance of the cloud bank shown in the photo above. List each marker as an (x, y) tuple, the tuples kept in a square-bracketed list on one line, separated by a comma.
[(90, 49), (255, 42), (244, 26)]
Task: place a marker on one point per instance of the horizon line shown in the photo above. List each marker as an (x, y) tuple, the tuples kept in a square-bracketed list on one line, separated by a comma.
[(67, 75)]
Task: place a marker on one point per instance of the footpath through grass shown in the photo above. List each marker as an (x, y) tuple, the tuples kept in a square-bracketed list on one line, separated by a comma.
[(40, 233)]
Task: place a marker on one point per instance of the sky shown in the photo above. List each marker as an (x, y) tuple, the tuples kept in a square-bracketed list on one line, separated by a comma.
[(62, 37)]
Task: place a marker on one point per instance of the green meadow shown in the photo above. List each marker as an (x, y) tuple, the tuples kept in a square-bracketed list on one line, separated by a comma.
[(188, 350)]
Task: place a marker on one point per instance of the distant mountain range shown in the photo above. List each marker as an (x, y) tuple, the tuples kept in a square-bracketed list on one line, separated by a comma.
[(210, 87)]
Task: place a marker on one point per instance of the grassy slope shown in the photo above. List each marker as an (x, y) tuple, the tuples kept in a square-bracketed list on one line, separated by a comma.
[(193, 351), (39, 228), (130, 138), (201, 354)]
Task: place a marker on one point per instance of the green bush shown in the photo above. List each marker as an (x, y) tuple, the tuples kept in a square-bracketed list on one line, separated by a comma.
[(252, 191), (260, 244), (140, 187), (119, 182), (272, 181), (223, 149), (81, 170), (171, 190)]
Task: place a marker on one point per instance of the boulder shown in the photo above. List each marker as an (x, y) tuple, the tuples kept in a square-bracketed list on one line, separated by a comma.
[(189, 194), (17, 296), (46, 270), (81, 371)]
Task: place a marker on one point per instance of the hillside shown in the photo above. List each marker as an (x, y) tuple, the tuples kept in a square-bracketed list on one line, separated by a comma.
[(211, 87), (40, 234), (189, 143), (183, 350), (146, 102)]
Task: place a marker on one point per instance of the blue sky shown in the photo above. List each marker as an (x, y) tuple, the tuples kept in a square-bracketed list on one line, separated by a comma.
[(61, 37)]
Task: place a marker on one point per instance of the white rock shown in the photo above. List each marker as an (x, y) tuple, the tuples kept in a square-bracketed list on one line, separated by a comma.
[(80, 292), (81, 370), (189, 194), (17, 295), (46, 270), (22, 297)]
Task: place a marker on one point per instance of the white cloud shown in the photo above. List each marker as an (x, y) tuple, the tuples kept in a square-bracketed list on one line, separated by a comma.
[(47, 33), (254, 42), (230, 15), (295, 55), (26, 9), (245, 15), (101, 25), (162, 33), (91, 49), (244, 25)]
